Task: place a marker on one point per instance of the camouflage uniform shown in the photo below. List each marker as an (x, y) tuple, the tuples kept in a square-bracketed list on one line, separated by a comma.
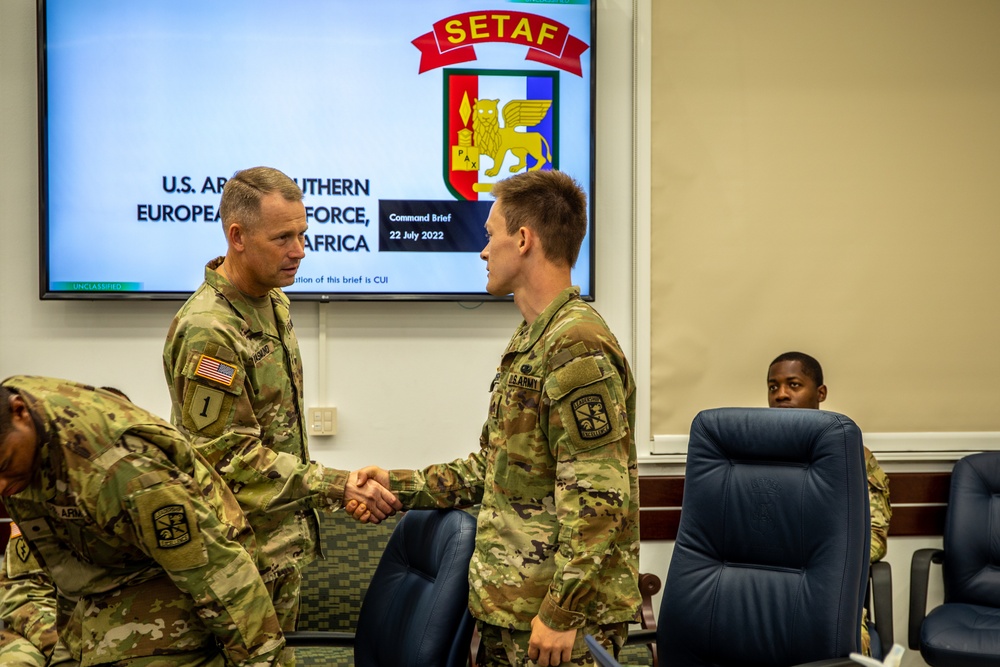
[(128, 520), (881, 510), (881, 513), (236, 387), (27, 606), (558, 531)]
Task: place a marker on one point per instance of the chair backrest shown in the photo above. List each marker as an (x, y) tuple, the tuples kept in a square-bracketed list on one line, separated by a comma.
[(771, 560), (971, 567), (416, 610)]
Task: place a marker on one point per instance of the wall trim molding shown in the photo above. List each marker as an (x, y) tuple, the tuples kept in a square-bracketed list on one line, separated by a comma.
[(899, 447)]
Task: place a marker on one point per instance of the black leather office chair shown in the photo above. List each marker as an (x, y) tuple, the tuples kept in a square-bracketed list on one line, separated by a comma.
[(965, 630), (771, 560), (415, 612)]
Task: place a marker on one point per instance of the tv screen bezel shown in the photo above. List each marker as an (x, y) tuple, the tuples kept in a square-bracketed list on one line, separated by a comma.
[(46, 293)]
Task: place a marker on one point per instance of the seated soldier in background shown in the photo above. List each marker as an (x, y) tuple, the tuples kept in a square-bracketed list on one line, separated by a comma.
[(795, 380)]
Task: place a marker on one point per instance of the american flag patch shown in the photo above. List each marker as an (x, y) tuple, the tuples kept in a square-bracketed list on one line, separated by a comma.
[(213, 369)]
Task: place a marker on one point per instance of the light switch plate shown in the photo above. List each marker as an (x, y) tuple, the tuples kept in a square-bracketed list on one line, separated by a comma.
[(322, 421)]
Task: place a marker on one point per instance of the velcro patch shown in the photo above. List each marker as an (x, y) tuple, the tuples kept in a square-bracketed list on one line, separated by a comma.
[(21, 549), (591, 416), (214, 369), (205, 405), (171, 524), (169, 527)]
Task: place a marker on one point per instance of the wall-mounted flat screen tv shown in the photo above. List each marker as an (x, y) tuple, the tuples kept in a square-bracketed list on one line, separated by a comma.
[(393, 116)]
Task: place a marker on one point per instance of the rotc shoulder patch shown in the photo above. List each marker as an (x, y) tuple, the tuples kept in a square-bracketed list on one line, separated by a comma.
[(214, 369), (171, 525), (591, 416)]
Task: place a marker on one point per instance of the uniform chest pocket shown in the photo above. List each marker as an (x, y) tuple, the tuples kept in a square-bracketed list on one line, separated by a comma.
[(87, 540), (520, 399)]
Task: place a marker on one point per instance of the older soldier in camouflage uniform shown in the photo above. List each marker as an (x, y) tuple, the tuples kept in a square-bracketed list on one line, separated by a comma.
[(557, 544), (234, 371), (127, 520), (795, 380)]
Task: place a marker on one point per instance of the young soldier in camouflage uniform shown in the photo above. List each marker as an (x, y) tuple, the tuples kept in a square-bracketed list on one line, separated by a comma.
[(126, 519), (234, 371), (795, 380), (557, 544)]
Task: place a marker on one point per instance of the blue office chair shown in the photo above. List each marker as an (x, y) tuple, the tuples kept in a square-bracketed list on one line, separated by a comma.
[(416, 610), (770, 566), (965, 630)]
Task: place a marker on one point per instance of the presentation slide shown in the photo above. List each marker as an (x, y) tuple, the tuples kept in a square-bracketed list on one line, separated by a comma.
[(393, 116)]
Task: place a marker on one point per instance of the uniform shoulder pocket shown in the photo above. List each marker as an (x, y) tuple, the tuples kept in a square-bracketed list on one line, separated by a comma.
[(590, 402), (168, 527), (212, 381)]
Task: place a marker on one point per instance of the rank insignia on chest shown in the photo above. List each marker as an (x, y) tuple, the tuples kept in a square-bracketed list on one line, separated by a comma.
[(171, 524)]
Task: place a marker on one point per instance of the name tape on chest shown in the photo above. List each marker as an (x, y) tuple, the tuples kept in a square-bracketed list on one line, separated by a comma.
[(70, 513), (524, 381), (261, 353)]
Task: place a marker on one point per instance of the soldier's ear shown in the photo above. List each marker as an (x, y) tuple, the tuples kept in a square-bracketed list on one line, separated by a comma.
[(20, 415), (236, 236), (526, 240)]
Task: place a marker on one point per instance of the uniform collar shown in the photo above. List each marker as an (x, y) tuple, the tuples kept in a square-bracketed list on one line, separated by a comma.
[(527, 335), (240, 302)]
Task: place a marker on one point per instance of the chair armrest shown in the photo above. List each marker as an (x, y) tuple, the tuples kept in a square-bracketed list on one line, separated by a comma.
[(920, 566), (319, 638), (644, 636), (649, 585), (881, 575)]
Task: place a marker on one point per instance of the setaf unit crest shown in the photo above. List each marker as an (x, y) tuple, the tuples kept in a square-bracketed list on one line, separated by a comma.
[(496, 124)]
